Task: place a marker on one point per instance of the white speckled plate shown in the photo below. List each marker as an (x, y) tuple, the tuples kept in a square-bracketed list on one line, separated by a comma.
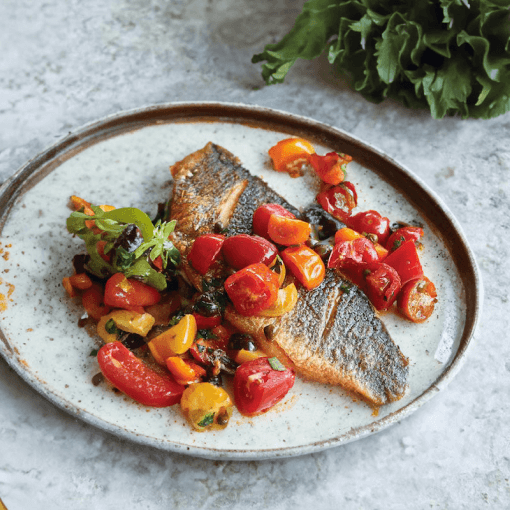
[(123, 160)]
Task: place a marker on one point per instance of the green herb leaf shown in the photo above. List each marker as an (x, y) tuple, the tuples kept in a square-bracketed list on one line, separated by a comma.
[(207, 420), (111, 327), (206, 334), (94, 352), (276, 364)]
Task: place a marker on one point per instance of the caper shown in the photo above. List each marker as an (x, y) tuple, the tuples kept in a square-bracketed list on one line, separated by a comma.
[(240, 341), (223, 417), (207, 306)]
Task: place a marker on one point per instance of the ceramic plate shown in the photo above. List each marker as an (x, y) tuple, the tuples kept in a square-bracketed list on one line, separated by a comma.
[(123, 160)]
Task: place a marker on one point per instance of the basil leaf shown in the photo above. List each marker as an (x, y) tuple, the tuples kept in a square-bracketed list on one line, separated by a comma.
[(276, 364), (207, 420)]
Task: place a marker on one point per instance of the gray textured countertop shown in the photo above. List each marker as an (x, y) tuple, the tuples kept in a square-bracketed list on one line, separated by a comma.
[(68, 63)]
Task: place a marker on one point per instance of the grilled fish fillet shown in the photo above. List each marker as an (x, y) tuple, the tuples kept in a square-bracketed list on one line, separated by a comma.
[(332, 335)]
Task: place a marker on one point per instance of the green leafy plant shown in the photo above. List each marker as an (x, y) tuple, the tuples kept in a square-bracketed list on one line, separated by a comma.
[(451, 56)]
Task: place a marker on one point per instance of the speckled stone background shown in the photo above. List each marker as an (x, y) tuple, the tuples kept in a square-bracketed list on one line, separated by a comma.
[(65, 63)]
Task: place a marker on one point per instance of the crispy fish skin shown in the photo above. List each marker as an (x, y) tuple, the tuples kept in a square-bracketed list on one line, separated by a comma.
[(330, 336)]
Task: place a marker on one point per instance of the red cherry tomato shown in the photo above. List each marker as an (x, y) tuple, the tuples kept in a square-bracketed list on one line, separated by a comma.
[(359, 251), (207, 322), (288, 231), (406, 261), (263, 213), (305, 264), (371, 222), (252, 289), (339, 201), (130, 294), (330, 168), (417, 299), (127, 373), (243, 250), (260, 384), (382, 286), (205, 251), (93, 301), (402, 235)]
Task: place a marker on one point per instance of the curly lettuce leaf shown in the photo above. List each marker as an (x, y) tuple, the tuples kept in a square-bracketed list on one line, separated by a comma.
[(450, 56)]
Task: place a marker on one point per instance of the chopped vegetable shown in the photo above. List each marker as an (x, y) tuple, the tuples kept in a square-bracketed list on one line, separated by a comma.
[(130, 321), (339, 201), (81, 281), (93, 302), (286, 301), (206, 406), (184, 372), (252, 289), (402, 235), (290, 155), (205, 251), (288, 231), (406, 261), (127, 373), (258, 386), (263, 213), (305, 264), (417, 299), (382, 286), (243, 250), (331, 167), (359, 251)]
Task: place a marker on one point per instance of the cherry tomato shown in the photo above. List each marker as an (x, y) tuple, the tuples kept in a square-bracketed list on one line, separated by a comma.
[(359, 251), (371, 222), (93, 302), (243, 250), (403, 235), (339, 200), (263, 213), (205, 251), (207, 322), (127, 373), (129, 294), (382, 286), (330, 168), (290, 154), (252, 289), (417, 299), (406, 261), (305, 264), (288, 231), (260, 384)]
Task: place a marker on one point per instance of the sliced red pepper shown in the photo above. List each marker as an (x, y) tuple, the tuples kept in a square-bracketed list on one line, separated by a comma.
[(406, 261), (382, 285), (305, 264), (331, 167), (207, 322), (130, 294), (260, 384), (402, 235), (371, 222), (290, 154), (339, 201), (263, 213), (252, 289), (288, 231), (243, 250), (129, 374), (205, 251), (417, 299)]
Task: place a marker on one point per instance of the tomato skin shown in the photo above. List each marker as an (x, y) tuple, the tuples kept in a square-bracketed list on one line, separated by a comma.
[(403, 235), (290, 154), (263, 213), (371, 222), (382, 285), (258, 387), (205, 251), (339, 201), (207, 322), (127, 373), (252, 289), (130, 294), (417, 299), (406, 261), (305, 264), (329, 168), (243, 250), (359, 251), (288, 231)]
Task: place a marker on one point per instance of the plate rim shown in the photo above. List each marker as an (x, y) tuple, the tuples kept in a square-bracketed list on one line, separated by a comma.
[(121, 122)]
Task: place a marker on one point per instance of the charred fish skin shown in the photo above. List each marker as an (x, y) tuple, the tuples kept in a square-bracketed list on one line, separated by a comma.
[(331, 336)]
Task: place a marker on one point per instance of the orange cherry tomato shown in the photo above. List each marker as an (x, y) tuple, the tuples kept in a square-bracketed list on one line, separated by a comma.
[(81, 281), (252, 289), (290, 154), (288, 231), (417, 299), (93, 302), (305, 264), (263, 213), (331, 167)]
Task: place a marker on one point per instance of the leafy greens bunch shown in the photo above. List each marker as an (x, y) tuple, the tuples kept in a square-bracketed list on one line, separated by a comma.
[(452, 56)]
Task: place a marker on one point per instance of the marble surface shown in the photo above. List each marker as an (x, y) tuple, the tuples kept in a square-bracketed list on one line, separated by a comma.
[(66, 63)]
